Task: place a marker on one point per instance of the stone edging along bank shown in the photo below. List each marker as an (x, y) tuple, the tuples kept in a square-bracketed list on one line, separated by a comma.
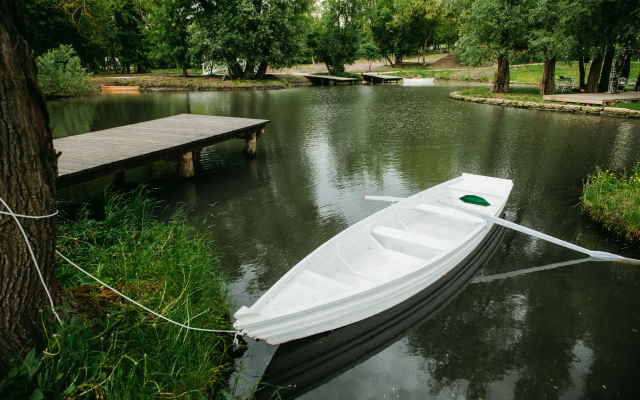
[(612, 111)]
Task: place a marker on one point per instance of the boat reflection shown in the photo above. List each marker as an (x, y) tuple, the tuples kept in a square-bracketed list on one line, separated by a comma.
[(302, 365)]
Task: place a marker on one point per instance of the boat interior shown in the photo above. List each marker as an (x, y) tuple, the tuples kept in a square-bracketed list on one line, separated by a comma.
[(400, 240)]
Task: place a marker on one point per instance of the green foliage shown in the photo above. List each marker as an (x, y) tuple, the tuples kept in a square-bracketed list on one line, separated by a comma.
[(113, 349), (169, 32), (340, 33), (614, 201), (401, 27), (60, 73), (263, 32), (490, 28)]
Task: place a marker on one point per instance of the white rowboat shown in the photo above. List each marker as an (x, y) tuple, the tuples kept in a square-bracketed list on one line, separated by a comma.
[(377, 263)]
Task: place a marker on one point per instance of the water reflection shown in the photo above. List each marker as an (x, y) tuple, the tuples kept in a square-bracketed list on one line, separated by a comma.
[(327, 146)]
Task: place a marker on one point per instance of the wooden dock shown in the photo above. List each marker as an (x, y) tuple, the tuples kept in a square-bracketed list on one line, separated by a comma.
[(113, 151), (593, 98), (326, 79), (381, 78)]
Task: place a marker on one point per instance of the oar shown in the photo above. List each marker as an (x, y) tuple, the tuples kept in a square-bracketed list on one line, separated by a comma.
[(601, 255)]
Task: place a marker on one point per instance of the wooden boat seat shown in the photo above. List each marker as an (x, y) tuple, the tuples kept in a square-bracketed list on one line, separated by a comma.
[(448, 213), (411, 238)]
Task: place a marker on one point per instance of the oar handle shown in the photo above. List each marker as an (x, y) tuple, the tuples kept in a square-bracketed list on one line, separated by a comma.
[(383, 198)]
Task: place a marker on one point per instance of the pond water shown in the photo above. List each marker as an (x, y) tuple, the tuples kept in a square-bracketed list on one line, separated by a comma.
[(567, 332)]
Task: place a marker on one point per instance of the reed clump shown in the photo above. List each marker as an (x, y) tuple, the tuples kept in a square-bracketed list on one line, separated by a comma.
[(613, 201), (108, 348)]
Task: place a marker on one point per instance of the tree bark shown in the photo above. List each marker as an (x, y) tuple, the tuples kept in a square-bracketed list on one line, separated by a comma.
[(28, 174), (626, 67), (603, 85), (594, 74), (426, 39), (581, 62), (636, 88), (184, 70), (502, 78), (235, 71), (262, 70), (547, 85), (249, 72)]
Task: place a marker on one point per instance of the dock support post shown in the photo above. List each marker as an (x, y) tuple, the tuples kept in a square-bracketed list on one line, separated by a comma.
[(250, 146), (185, 165), (118, 180)]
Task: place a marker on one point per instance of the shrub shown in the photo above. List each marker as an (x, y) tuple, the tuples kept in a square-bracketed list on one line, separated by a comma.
[(60, 73)]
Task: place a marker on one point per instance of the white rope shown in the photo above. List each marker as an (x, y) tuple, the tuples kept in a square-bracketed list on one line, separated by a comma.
[(147, 309), (29, 216), (33, 257)]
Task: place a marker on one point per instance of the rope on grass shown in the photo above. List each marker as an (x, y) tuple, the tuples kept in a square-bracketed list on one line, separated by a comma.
[(147, 309), (46, 289), (33, 257)]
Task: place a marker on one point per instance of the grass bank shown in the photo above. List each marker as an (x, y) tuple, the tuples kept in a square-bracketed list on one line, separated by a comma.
[(520, 93), (161, 81), (526, 73), (613, 201), (109, 348)]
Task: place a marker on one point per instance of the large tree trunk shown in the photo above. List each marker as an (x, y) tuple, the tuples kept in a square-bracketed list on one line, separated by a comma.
[(28, 177), (626, 67), (184, 70), (594, 74), (603, 85), (583, 60), (235, 70), (262, 70), (249, 72), (547, 85), (502, 77)]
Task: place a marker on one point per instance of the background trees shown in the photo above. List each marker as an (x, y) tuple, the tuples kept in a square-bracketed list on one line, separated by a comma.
[(492, 30), (340, 33), (260, 32)]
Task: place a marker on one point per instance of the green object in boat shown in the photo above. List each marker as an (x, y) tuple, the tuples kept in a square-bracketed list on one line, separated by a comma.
[(477, 200)]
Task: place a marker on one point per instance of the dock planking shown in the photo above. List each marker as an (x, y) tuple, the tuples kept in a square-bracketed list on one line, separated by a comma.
[(326, 79), (113, 151), (593, 98), (381, 78)]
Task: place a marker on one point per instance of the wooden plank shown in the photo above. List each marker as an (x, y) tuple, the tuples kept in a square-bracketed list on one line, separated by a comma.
[(593, 98), (110, 151)]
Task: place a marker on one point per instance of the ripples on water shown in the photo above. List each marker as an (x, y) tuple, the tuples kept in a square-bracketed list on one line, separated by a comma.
[(561, 333)]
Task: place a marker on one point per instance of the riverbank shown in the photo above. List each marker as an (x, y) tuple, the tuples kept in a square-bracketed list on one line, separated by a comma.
[(613, 201), (113, 349), (522, 98), (155, 82)]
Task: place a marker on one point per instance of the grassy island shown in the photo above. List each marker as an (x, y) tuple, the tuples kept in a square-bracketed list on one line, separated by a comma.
[(614, 202), (108, 347)]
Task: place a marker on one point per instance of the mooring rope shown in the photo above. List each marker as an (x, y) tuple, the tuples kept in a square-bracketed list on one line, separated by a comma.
[(140, 305), (15, 217), (33, 257)]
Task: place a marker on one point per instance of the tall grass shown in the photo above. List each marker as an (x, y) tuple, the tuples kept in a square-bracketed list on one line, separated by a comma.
[(614, 201), (109, 348)]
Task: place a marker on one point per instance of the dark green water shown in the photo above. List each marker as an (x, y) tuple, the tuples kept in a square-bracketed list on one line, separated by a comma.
[(569, 332)]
